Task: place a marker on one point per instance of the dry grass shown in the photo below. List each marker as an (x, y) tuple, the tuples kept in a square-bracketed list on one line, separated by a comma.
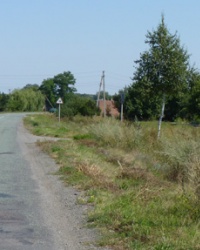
[(134, 181), (99, 178)]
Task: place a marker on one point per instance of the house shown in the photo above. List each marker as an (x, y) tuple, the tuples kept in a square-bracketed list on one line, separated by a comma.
[(111, 109)]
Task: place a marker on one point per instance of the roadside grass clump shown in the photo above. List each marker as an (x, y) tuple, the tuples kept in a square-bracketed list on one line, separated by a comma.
[(143, 191), (180, 156), (112, 133), (82, 136)]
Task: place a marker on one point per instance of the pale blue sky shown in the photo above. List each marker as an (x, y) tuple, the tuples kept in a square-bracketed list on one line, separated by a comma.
[(41, 38)]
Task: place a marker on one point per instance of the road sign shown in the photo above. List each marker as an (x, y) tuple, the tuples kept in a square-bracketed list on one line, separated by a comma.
[(59, 101)]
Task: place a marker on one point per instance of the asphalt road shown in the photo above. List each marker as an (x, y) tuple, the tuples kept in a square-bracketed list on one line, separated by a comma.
[(36, 211)]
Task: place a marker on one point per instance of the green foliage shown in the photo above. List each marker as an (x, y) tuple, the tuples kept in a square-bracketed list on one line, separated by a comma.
[(192, 97), (93, 97), (82, 136), (26, 100), (174, 107), (78, 105), (149, 224), (166, 63), (34, 87), (122, 93), (48, 90), (58, 87), (4, 98), (161, 70), (141, 103), (64, 84), (101, 95)]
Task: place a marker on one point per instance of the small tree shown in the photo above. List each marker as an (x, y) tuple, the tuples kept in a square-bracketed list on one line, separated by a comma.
[(164, 66)]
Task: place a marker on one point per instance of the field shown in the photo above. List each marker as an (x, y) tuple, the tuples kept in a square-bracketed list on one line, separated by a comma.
[(144, 191)]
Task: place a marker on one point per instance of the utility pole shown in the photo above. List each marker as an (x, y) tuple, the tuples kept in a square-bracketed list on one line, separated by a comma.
[(122, 105), (104, 95), (49, 102), (102, 82), (99, 92)]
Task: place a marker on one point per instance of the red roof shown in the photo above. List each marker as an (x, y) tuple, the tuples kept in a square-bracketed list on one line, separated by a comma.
[(110, 108)]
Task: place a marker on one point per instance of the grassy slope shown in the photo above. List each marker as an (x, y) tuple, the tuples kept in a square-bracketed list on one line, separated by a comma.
[(127, 176)]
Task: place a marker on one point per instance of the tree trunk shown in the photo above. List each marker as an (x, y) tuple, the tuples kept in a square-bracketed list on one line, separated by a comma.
[(161, 115)]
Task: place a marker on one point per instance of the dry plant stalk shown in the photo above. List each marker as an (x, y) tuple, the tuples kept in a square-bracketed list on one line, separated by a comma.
[(97, 175), (194, 175)]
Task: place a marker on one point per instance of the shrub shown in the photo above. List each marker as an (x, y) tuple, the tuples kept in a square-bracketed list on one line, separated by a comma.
[(78, 105)]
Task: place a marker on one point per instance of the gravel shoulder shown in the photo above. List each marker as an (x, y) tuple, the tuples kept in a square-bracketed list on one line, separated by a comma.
[(65, 218)]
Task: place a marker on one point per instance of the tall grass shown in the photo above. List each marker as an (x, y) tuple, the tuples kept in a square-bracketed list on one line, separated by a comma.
[(177, 152), (110, 132), (180, 155), (145, 192)]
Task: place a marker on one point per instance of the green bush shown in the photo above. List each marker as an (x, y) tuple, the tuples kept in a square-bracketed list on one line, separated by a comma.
[(78, 105)]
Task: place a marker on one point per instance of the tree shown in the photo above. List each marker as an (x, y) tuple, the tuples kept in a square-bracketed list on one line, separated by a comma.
[(163, 68), (140, 103), (35, 86), (191, 100), (49, 91), (64, 84), (101, 95), (59, 86), (25, 100), (3, 101)]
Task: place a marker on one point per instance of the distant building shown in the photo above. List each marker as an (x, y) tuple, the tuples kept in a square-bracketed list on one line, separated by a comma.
[(111, 109)]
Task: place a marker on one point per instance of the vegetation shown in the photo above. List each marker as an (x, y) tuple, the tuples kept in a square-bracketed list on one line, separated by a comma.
[(58, 87), (37, 98), (79, 105), (145, 192), (3, 101), (26, 99), (164, 86), (162, 76)]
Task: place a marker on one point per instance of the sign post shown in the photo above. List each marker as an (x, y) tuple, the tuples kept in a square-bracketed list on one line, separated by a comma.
[(59, 101)]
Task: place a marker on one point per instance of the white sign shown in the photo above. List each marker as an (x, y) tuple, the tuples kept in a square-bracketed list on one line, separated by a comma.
[(60, 101)]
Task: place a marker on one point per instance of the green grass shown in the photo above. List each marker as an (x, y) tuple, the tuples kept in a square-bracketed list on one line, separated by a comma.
[(48, 125), (144, 191)]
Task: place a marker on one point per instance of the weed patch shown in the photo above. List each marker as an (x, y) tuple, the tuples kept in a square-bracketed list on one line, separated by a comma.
[(82, 136)]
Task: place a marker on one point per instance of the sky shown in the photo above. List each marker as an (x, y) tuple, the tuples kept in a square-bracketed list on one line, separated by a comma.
[(42, 38)]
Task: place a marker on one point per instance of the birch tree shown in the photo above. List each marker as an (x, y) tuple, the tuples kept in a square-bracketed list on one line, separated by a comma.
[(164, 65)]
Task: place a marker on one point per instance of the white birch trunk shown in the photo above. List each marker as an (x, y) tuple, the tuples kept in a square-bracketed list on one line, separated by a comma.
[(161, 115)]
